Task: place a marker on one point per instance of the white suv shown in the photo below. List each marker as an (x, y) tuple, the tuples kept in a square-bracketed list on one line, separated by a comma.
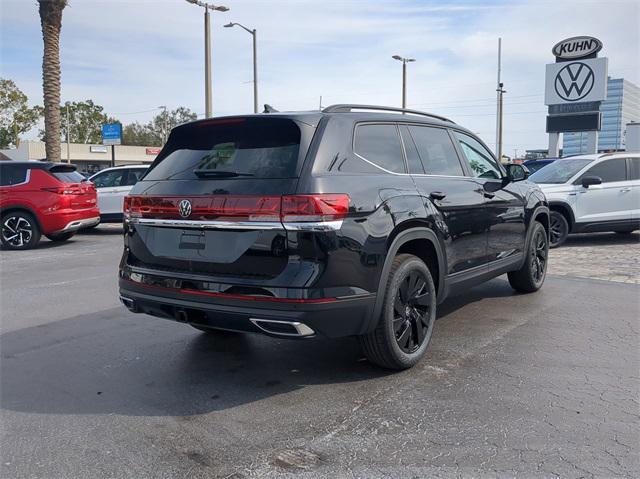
[(590, 193), (113, 184)]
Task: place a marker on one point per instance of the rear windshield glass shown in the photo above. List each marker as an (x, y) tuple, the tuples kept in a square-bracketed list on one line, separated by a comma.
[(560, 171), (68, 176), (259, 147)]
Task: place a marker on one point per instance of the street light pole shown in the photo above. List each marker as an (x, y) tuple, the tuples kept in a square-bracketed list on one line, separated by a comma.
[(254, 34), (207, 63), (404, 77), (207, 51)]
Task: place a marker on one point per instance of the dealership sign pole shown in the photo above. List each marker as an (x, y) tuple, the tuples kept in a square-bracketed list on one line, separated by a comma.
[(574, 87)]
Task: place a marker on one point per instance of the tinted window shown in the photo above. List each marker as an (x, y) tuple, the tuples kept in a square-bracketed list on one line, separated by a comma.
[(68, 176), (12, 175), (482, 163), (413, 159), (109, 179), (380, 144), (436, 151), (634, 168), (560, 171), (609, 171), (261, 147), (134, 175)]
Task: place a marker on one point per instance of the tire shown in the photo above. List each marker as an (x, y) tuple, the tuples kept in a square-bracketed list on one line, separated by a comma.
[(20, 230), (559, 229), (61, 236), (404, 329), (530, 277)]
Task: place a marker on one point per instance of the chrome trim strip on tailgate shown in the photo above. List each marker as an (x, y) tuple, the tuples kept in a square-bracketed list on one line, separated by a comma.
[(240, 225)]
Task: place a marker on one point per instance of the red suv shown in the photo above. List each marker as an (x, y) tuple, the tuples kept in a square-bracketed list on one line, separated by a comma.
[(39, 198)]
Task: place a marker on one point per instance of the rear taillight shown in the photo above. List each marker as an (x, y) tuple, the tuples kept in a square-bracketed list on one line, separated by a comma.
[(322, 207), (65, 190), (287, 208)]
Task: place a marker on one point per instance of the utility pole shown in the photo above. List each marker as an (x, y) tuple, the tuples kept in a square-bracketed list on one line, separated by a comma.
[(320, 108), (404, 77), (68, 134), (164, 123), (207, 51), (499, 90)]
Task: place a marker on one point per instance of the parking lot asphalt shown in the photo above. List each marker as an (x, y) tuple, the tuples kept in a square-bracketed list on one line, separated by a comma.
[(540, 385)]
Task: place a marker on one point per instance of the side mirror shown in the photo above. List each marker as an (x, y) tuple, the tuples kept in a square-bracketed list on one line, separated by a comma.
[(590, 180), (517, 172)]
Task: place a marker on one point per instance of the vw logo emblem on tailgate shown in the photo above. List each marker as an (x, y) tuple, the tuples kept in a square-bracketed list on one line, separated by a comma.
[(184, 208)]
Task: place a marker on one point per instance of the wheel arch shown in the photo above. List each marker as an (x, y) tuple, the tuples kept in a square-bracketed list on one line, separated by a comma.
[(565, 209), (420, 241), (13, 208)]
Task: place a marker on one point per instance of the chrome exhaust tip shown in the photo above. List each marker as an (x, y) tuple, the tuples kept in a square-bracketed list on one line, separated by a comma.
[(283, 328), (129, 304)]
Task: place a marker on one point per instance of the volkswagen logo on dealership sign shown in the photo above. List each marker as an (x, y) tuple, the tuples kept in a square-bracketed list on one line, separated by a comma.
[(184, 208), (574, 81), (576, 47)]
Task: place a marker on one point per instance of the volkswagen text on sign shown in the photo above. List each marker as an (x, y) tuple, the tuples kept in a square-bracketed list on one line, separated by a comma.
[(576, 47), (577, 81)]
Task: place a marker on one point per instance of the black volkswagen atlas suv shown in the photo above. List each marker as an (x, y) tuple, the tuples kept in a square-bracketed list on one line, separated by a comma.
[(355, 220)]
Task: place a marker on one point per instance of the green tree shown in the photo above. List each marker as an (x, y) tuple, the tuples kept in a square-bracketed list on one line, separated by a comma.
[(85, 120), (16, 117), (51, 22), (157, 130)]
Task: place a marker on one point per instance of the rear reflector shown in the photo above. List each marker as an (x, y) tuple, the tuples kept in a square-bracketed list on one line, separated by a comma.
[(289, 208)]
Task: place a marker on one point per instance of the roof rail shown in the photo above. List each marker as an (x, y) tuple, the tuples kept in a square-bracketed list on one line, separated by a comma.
[(345, 108)]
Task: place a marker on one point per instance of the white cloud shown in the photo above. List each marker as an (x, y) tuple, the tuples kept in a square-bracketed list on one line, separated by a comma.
[(133, 56)]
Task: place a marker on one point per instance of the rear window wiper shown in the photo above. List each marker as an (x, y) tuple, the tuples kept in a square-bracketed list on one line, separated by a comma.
[(218, 174)]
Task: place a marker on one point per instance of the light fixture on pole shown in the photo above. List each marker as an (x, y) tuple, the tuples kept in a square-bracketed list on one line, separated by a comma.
[(255, 62), (207, 50), (404, 76)]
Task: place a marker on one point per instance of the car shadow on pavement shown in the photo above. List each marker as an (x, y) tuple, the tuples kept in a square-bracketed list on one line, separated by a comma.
[(600, 239), (108, 229), (114, 362)]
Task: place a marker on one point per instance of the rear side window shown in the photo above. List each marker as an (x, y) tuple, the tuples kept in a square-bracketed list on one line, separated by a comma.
[(260, 147), (134, 175), (110, 179), (436, 151), (12, 175), (68, 176), (380, 144), (634, 168), (413, 159), (610, 171)]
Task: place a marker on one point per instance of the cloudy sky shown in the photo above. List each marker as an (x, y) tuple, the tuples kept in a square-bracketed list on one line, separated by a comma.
[(132, 56)]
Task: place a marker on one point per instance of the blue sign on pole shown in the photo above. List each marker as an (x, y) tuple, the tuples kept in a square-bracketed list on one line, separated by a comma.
[(111, 134)]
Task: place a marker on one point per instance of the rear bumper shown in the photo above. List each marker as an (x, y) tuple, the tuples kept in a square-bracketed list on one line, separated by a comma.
[(340, 317), (63, 221), (76, 225)]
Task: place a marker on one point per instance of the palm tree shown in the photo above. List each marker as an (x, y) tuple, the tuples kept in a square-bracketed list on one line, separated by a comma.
[(51, 21)]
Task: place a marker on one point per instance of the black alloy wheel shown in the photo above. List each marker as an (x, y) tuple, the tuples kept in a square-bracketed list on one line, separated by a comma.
[(559, 229), (19, 231), (538, 255), (403, 331), (530, 277), (411, 311)]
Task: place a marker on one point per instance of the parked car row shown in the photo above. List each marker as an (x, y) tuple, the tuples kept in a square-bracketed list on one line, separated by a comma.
[(53, 199), (591, 193)]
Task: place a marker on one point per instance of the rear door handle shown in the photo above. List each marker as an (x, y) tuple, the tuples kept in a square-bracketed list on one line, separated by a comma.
[(437, 195), (625, 190), (489, 195)]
